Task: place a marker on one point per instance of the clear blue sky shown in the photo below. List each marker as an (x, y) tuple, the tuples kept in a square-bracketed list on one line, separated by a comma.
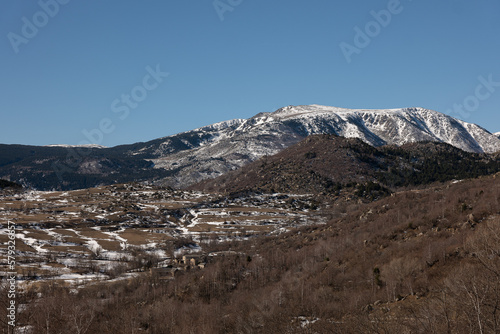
[(263, 55)]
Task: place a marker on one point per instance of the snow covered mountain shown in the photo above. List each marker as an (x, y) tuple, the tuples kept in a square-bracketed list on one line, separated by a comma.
[(213, 150), (186, 158)]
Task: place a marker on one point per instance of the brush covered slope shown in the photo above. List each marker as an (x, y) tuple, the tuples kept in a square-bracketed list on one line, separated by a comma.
[(328, 163), (421, 261)]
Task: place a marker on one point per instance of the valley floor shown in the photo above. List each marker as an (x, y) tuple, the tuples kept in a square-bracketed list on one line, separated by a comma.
[(104, 233)]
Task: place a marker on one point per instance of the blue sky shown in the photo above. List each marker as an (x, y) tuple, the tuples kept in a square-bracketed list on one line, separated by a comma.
[(68, 81)]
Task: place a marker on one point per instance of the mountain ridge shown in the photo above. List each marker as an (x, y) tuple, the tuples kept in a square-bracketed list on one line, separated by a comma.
[(210, 151), (268, 133)]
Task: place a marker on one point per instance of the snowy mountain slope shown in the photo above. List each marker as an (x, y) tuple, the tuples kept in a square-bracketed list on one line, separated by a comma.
[(215, 149), (186, 158)]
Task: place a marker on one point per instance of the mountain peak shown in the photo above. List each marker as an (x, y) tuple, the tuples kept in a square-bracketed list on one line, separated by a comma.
[(268, 133), (317, 109), (210, 151)]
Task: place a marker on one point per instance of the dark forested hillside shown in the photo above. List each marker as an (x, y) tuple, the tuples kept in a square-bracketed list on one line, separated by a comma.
[(61, 168), (8, 184), (327, 163)]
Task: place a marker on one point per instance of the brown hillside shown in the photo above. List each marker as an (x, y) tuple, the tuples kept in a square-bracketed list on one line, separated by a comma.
[(313, 165), (422, 261), (327, 163)]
